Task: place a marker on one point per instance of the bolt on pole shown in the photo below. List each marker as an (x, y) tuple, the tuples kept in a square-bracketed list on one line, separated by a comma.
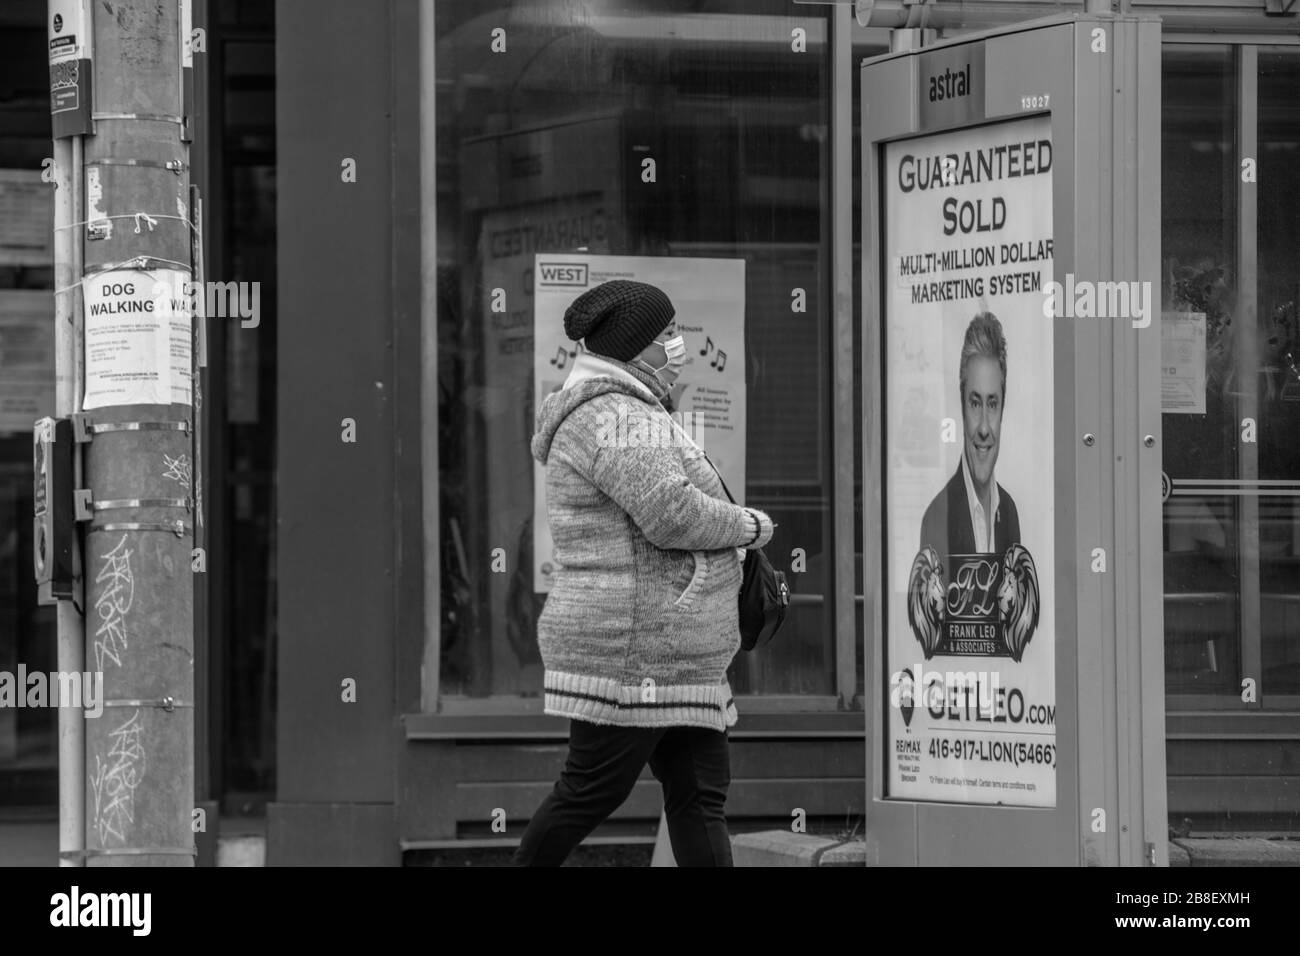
[(136, 499)]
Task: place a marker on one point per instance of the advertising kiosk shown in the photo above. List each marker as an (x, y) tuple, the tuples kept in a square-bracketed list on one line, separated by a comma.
[(1011, 416)]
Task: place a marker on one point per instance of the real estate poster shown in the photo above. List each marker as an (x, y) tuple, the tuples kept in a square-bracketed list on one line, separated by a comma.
[(708, 296), (970, 655)]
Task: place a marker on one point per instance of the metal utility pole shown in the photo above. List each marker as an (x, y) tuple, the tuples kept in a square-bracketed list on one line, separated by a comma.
[(135, 497), (70, 620)]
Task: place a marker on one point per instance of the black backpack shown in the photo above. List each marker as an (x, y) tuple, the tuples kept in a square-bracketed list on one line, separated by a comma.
[(764, 596)]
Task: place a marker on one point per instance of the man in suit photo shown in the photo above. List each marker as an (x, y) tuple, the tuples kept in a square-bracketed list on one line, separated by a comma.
[(973, 514)]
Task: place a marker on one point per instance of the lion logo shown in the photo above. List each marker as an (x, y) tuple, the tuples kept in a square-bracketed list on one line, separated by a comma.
[(925, 600), (1018, 600)]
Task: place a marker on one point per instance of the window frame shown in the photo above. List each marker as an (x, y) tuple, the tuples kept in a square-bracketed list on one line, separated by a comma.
[(836, 276), (1246, 49)]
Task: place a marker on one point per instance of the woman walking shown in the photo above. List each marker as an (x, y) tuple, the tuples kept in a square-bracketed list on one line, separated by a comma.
[(641, 622)]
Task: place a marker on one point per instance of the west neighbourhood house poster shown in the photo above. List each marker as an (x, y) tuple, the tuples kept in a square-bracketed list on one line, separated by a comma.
[(138, 338), (709, 298), (970, 698)]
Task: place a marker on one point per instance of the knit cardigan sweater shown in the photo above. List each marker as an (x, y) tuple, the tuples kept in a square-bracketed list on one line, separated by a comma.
[(641, 622)]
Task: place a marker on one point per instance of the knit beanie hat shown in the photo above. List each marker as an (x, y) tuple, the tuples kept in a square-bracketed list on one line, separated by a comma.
[(618, 318)]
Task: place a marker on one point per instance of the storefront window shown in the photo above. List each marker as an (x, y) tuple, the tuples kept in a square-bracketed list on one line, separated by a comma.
[(1231, 385), (1202, 456), (541, 147), (1278, 382)]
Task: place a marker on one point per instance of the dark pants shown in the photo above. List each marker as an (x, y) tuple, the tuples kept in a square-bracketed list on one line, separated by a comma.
[(604, 762)]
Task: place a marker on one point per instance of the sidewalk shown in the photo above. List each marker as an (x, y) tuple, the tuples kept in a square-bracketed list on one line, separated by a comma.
[(29, 844), (239, 843), (36, 844), (1234, 851), (782, 848)]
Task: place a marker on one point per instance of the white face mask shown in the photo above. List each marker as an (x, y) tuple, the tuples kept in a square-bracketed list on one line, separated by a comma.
[(675, 352)]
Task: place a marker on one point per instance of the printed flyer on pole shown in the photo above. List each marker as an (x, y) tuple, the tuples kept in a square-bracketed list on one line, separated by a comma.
[(138, 337)]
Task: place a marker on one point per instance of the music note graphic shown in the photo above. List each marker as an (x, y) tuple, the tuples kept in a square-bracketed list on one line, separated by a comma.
[(708, 346), (720, 362), (561, 357)]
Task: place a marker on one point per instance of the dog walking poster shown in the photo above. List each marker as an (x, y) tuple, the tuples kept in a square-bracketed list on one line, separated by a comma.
[(970, 651)]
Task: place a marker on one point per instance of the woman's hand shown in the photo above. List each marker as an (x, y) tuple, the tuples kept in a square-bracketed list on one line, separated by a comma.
[(760, 527)]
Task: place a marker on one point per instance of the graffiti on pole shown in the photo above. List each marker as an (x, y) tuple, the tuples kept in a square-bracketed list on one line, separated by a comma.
[(116, 779), (178, 469), (113, 603)]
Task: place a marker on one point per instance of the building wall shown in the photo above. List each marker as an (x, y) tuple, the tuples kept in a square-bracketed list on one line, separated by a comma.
[(28, 749), (336, 759), (359, 781)]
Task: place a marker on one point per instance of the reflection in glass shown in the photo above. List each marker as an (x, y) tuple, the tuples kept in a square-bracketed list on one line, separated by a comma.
[(543, 150), (1198, 237), (1278, 384)]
